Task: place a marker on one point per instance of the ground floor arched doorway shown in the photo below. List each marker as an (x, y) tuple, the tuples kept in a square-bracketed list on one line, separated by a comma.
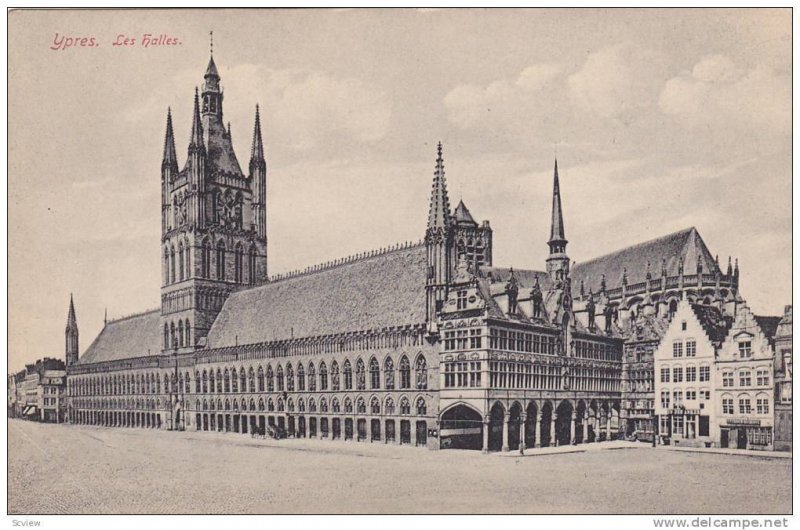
[(460, 427)]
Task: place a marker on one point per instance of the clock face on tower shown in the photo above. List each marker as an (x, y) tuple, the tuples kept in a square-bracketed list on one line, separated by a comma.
[(228, 210)]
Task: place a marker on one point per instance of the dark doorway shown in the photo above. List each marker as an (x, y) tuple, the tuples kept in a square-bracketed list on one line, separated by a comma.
[(703, 428), (422, 433), (461, 428), (362, 429), (375, 430), (390, 436), (496, 419), (348, 428), (405, 432), (513, 426)]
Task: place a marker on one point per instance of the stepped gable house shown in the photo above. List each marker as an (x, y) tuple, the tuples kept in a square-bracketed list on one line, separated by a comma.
[(424, 343)]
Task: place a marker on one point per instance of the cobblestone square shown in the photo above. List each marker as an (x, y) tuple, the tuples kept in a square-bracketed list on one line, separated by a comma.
[(63, 469)]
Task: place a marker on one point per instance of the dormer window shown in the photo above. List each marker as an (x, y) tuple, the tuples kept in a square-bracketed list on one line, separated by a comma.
[(461, 300), (745, 349)]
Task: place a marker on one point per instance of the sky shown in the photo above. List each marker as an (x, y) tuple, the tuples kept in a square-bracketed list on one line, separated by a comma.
[(661, 120)]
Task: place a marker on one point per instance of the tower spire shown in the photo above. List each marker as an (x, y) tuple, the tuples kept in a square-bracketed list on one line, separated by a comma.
[(257, 150), (71, 335), (557, 221), (170, 159), (196, 139), (557, 262), (439, 213)]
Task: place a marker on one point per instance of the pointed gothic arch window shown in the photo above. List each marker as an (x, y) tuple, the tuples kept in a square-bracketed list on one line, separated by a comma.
[(251, 380), (361, 379), (181, 261), (301, 378), (361, 406), (260, 378), (205, 262), (422, 408), (323, 405), (221, 260), (388, 373), (166, 265), (212, 384), (180, 332), (312, 378), (279, 377), (171, 264), (242, 380), (334, 376), (289, 377), (226, 381), (374, 374), (375, 406), (348, 406), (188, 333), (335, 407), (166, 336), (187, 259), (323, 374), (405, 372), (172, 337), (251, 264), (348, 375), (237, 263), (270, 379), (421, 372), (205, 382), (234, 380)]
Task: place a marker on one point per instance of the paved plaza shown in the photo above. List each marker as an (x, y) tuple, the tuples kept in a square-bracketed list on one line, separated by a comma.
[(64, 469)]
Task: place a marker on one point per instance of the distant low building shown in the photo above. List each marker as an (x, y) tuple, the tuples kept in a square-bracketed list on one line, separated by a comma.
[(40, 391)]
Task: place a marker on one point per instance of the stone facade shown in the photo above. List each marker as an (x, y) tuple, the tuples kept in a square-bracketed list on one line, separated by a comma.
[(423, 343)]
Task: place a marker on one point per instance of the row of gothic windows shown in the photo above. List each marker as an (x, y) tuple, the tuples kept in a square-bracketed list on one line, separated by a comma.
[(219, 262), (310, 378), (346, 406), (177, 264), (177, 336), (336, 407)]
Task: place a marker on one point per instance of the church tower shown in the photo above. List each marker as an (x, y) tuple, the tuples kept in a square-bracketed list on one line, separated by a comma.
[(71, 335), (439, 243), (214, 237), (558, 261)]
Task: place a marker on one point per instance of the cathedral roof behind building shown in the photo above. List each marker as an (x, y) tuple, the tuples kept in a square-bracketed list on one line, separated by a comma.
[(134, 336), (713, 321), (769, 325), (386, 290), (686, 244)]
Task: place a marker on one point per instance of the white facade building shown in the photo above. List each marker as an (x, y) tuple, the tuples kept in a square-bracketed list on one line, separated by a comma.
[(684, 376), (744, 383)]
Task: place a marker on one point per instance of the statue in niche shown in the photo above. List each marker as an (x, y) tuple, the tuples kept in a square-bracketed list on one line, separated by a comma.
[(538, 299)]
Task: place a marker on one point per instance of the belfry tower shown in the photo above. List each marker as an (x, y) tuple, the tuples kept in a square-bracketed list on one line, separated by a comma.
[(440, 245), (558, 261), (71, 335), (214, 233)]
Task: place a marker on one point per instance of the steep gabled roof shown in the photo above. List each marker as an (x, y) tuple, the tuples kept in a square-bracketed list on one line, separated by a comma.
[(371, 293), (133, 336), (686, 244), (462, 215)]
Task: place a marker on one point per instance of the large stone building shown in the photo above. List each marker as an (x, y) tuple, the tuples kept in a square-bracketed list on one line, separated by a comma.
[(425, 343)]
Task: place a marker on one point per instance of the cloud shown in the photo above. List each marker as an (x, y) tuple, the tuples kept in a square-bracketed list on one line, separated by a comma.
[(303, 108), (618, 81), (501, 103), (740, 106)]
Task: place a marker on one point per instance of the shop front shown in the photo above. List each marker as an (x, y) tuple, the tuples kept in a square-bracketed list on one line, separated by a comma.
[(745, 433)]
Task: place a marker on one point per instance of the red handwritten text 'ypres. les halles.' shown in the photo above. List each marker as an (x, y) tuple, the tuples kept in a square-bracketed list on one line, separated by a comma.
[(147, 40)]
